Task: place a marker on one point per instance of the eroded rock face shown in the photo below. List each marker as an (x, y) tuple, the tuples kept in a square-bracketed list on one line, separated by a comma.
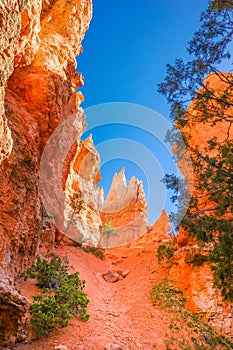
[(38, 98), (39, 44), (156, 233), (10, 24), (29, 41), (198, 132), (6, 141), (126, 208), (82, 199), (13, 307), (193, 275)]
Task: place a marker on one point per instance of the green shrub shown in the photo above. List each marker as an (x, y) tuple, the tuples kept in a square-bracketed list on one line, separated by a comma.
[(166, 251), (49, 274), (62, 298), (47, 313), (195, 259), (167, 296), (98, 252), (202, 335)]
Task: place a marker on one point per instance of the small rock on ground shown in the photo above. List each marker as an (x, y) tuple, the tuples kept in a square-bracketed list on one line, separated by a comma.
[(125, 273), (113, 346), (111, 276), (61, 347), (115, 276)]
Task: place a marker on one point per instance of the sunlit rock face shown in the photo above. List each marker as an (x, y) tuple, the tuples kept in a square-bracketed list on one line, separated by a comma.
[(198, 133), (190, 269), (39, 44), (126, 208), (191, 272), (82, 198), (157, 233)]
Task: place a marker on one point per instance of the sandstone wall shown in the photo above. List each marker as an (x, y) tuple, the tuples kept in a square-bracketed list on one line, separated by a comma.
[(197, 284), (82, 211), (197, 281), (39, 44)]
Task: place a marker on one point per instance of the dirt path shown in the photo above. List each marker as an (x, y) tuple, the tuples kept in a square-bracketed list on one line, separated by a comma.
[(120, 312)]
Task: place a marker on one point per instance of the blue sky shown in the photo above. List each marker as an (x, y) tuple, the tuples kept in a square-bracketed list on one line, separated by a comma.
[(125, 53)]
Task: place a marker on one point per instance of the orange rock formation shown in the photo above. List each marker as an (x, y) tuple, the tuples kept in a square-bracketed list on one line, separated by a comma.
[(84, 175), (157, 233), (39, 44), (125, 207), (197, 281)]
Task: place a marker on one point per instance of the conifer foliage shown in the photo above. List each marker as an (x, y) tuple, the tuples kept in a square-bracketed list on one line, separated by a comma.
[(194, 100), (63, 295)]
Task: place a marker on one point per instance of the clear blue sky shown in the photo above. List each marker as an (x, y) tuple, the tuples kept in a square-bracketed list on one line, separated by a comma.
[(125, 53)]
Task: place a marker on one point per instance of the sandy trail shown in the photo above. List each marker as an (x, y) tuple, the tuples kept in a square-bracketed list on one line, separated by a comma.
[(120, 312)]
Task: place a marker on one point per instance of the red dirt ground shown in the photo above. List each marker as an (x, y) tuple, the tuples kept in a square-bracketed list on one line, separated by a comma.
[(120, 312)]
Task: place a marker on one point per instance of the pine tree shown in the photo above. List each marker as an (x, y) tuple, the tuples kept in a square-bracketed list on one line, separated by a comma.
[(194, 100), (108, 231)]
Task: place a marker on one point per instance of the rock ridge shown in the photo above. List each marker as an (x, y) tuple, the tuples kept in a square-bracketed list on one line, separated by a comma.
[(126, 207)]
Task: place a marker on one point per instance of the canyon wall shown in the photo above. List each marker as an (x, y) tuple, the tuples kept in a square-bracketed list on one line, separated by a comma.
[(191, 272), (39, 44), (190, 269)]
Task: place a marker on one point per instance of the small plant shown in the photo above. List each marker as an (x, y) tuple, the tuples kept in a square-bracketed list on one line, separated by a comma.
[(62, 298), (201, 336), (167, 296), (195, 259), (98, 252), (108, 231), (49, 274), (166, 251), (46, 313)]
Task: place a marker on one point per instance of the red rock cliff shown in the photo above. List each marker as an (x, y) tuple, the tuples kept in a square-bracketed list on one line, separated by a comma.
[(39, 44), (197, 281)]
